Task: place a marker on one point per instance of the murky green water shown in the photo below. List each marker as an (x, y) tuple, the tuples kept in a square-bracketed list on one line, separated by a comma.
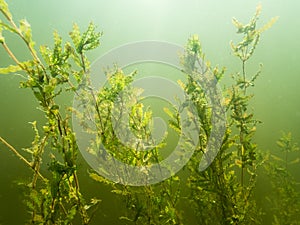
[(276, 100)]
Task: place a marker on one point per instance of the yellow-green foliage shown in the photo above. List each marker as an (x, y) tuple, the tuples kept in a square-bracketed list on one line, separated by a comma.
[(222, 194)]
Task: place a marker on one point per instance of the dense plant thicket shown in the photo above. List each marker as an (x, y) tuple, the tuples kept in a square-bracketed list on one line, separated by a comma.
[(223, 193)]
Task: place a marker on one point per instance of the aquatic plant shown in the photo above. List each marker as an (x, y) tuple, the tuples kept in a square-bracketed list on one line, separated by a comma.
[(53, 199), (147, 204), (217, 194), (284, 196)]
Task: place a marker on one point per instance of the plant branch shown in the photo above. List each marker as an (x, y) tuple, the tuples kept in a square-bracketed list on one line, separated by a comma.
[(21, 157)]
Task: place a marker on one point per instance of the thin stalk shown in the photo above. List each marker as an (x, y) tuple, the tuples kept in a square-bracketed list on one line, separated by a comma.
[(244, 76), (18, 32), (286, 160), (22, 158), (91, 89), (12, 56), (241, 129)]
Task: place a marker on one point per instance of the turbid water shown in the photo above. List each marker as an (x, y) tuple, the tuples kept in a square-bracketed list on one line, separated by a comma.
[(276, 100)]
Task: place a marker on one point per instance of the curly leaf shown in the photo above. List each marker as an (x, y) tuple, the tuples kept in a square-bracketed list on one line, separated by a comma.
[(10, 69), (7, 27), (238, 25), (26, 31), (269, 24), (87, 41), (75, 35)]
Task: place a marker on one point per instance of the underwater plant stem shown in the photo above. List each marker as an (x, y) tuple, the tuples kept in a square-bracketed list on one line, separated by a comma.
[(286, 160), (21, 157), (242, 161), (37, 161), (83, 212), (91, 89), (65, 131), (244, 75), (15, 151), (241, 131), (12, 56), (30, 48)]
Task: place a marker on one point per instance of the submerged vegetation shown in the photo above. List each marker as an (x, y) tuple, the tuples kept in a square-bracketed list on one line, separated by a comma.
[(223, 193)]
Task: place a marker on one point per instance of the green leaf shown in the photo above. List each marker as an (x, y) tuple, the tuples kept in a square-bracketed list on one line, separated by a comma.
[(125, 218), (238, 25), (1, 36), (120, 192), (87, 41), (276, 158), (94, 202), (7, 27), (269, 24), (175, 178), (98, 178), (4, 9), (295, 161), (10, 68), (75, 35), (26, 31), (90, 38), (57, 46), (38, 96), (2, 40), (71, 214)]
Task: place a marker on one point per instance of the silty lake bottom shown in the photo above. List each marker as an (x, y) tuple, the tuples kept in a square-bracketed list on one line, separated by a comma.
[(217, 195)]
